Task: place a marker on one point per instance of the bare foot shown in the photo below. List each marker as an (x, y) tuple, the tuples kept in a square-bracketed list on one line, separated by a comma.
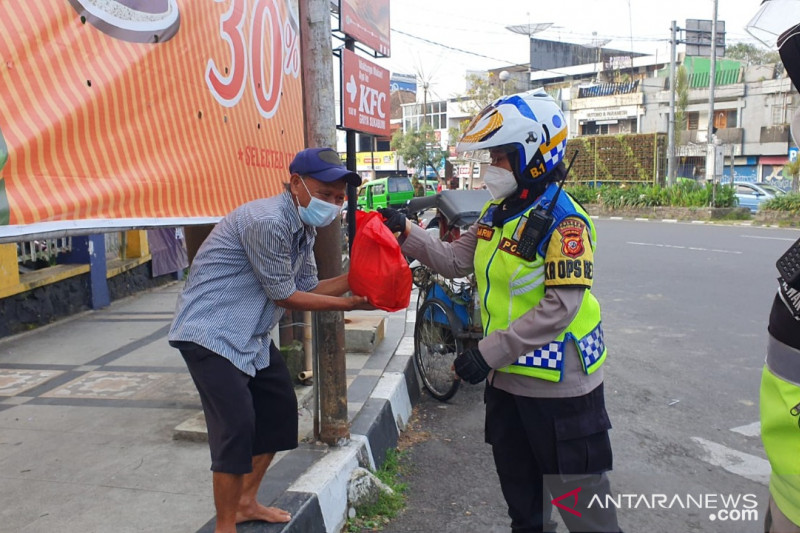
[(256, 511)]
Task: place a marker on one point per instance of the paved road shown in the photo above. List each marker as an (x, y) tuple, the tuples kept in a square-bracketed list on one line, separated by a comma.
[(685, 311)]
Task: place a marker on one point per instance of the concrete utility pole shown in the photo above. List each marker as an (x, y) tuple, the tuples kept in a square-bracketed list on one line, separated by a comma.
[(671, 126), (330, 380), (711, 162)]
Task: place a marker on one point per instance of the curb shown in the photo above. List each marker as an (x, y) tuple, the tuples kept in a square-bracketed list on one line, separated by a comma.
[(747, 223), (373, 431)]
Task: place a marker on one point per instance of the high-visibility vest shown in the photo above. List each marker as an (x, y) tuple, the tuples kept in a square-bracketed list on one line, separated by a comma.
[(509, 286), (780, 410)]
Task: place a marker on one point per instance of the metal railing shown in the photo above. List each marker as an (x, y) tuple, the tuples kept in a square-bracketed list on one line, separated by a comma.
[(42, 252), (608, 89)]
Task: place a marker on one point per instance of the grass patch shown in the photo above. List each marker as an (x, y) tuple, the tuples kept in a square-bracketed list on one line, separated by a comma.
[(375, 516), (736, 215)]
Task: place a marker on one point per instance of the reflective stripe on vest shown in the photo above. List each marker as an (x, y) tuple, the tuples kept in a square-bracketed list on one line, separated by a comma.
[(509, 287), (783, 361)]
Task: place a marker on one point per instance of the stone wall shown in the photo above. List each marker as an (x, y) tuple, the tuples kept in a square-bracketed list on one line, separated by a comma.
[(34, 308), (136, 280), (779, 218), (31, 309), (673, 213)]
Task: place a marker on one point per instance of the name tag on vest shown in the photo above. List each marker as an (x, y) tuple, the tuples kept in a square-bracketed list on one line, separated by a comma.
[(485, 232)]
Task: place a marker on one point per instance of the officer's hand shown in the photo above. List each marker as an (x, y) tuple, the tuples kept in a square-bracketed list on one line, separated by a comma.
[(393, 219), (471, 366)]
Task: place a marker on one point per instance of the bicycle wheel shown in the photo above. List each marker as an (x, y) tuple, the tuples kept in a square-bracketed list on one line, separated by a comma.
[(436, 345)]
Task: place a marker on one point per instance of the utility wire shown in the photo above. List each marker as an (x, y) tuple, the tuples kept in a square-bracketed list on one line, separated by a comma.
[(452, 47), (473, 53)]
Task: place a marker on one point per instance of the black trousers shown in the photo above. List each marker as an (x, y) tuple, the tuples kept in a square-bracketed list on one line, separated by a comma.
[(546, 447), (245, 416)]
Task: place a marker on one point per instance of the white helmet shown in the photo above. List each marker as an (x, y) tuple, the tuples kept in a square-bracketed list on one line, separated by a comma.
[(531, 123), (771, 22), (777, 25)]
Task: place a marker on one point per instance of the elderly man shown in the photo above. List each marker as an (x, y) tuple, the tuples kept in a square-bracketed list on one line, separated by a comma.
[(257, 262)]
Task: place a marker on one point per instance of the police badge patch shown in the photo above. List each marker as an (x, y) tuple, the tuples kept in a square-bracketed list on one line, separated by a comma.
[(570, 232)]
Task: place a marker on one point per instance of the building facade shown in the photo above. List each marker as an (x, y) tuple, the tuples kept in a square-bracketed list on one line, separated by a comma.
[(753, 106)]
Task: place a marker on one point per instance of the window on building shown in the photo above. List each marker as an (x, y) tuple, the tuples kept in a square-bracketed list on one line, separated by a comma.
[(364, 143), (593, 128), (435, 113), (782, 114), (692, 120), (725, 118)]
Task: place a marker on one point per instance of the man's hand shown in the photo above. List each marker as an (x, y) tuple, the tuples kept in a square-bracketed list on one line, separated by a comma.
[(360, 303), (471, 366), (394, 220)]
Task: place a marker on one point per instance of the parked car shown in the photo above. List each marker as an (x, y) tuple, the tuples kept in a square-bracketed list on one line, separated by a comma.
[(752, 195), (431, 187), (393, 191), (774, 189)]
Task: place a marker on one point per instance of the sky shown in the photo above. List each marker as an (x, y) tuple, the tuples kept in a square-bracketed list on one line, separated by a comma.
[(439, 40)]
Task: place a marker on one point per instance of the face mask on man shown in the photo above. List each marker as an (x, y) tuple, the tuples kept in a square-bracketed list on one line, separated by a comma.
[(318, 213), (500, 182)]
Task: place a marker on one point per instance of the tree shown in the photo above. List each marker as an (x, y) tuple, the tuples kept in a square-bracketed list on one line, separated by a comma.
[(418, 148), (793, 169), (481, 91), (681, 100), (750, 54)]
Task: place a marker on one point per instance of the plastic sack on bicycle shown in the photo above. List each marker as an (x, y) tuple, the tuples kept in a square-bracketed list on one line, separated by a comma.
[(378, 269)]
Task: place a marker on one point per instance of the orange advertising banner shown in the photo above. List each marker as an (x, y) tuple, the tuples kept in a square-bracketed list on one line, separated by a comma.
[(131, 113)]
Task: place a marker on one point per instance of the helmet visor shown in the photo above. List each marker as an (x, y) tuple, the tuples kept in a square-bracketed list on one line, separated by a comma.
[(773, 19)]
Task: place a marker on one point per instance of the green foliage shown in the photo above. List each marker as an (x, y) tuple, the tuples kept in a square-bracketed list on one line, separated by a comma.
[(455, 133), (584, 194), (418, 147), (792, 170), (481, 91), (751, 54), (617, 158), (789, 203), (374, 517), (681, 97), (683, 194)]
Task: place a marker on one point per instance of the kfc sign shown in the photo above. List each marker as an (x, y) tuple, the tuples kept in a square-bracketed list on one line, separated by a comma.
[(366, 95)]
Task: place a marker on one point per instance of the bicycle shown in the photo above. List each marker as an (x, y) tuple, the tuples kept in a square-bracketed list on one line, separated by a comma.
[(448, 313)]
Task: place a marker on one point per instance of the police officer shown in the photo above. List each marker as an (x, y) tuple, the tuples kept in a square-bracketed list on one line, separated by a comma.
[(543, 349), (777, 22)]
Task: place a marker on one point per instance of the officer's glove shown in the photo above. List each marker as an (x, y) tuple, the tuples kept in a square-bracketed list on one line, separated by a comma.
[(393, 219), (471, 366)]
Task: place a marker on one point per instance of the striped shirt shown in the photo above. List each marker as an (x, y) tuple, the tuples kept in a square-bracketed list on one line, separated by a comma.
[(258, 253)]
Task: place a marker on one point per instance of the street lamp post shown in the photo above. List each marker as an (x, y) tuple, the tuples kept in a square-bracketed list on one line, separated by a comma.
[(504, 75)]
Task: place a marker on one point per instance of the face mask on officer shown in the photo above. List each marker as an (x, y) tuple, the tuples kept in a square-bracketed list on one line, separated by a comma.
[(500, 182), (318, 213)]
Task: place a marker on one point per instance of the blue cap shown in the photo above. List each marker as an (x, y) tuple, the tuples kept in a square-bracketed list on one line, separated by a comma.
[(322, 164)]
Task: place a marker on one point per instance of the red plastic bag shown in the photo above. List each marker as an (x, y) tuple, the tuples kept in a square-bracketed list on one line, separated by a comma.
[(378, 269)]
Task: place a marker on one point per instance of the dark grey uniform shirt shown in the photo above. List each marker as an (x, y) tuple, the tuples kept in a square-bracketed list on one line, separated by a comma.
[(258, 253)]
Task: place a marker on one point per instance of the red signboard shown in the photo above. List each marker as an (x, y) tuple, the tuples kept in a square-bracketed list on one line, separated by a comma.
[(366, 21), (365, 99)]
